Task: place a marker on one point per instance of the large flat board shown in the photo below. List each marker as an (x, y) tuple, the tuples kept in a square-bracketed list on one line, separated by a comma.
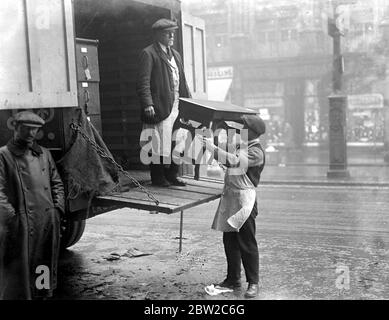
[(171, 199)]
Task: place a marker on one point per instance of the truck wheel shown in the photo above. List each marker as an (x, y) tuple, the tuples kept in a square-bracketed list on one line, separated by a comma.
[(73, 230)]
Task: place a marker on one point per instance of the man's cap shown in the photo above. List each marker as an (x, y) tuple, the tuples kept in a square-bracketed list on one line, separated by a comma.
[(255, 123), (164, 24), (29, 119)]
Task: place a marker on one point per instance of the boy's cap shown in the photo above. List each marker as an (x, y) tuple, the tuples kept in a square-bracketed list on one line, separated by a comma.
[(29, 119), (255, 123)]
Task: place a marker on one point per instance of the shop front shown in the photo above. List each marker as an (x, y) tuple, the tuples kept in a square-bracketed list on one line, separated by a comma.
[(290, 99), (365, 120)]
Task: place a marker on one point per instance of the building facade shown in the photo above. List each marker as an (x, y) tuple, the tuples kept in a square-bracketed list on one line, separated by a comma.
[(282, 61)]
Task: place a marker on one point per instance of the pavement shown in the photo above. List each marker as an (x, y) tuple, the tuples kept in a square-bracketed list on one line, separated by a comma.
[(310, 167), (359, 175), (304, 174)]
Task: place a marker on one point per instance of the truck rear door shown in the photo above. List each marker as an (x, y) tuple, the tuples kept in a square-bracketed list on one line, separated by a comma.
[(193, 36)]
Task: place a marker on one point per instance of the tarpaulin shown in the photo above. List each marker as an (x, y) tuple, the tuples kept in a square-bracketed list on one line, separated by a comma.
[(83, 170)]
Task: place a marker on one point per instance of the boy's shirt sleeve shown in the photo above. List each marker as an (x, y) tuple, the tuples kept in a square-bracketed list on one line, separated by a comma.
[(250, 156), (254, 157)]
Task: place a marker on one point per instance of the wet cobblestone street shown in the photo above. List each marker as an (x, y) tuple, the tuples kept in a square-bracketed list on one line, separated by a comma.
[(306, 236)]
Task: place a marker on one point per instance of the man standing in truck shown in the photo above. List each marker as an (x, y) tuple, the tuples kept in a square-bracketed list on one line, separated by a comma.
[(31, 205), (161, 81)]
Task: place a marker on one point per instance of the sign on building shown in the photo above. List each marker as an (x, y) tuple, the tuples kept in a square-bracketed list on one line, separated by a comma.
[(220, 72), (365, 101)]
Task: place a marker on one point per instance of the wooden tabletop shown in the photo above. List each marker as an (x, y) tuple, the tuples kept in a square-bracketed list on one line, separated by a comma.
[(204, 111), (171, 199)]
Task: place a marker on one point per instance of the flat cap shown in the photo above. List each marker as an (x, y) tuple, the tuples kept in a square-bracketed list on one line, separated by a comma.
[(164, 24), (255, 123), (29, 119)]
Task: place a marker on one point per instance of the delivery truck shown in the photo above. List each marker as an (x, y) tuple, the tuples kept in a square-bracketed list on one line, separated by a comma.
[(60, 56)]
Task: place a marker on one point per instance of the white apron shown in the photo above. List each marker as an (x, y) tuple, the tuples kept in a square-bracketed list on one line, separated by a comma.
[(236, 203), (162, 131)]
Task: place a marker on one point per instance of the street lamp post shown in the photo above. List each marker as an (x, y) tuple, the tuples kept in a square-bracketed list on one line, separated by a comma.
[(337, 102)]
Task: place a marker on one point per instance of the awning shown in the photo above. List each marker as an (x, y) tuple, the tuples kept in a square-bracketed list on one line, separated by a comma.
[(218, 89)]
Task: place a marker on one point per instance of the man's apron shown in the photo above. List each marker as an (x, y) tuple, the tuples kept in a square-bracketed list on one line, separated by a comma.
[(162, 132), (236, 203)]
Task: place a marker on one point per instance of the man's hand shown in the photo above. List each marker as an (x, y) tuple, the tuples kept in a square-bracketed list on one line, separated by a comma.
[(63, 221), (149, 112)]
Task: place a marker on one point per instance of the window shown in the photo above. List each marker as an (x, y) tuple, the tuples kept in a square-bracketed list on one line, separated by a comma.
[(286, 22), (357, 29), (293, 34), (284, 35), (261, 37), (271, 36), (287, 35), (369, 27), (220, 41), (265, 22)]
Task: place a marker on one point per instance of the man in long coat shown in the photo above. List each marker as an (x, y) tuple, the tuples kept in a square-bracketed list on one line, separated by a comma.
[(161, 81), (31, 203)]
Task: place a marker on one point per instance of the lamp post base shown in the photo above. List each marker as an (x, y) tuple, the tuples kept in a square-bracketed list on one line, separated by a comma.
[(337, 168)]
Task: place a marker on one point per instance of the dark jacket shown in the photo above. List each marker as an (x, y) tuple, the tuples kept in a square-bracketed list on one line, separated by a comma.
[(31, 199), (254, 174), (155, 82)]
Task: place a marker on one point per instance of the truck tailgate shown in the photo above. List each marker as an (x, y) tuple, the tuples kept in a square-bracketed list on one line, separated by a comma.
[(172, 199)]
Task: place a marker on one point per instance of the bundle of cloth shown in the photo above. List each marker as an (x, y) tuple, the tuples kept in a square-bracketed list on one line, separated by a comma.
[(83, 170)]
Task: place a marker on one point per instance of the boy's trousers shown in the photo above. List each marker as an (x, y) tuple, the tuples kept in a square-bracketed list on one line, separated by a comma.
[(242, 247)]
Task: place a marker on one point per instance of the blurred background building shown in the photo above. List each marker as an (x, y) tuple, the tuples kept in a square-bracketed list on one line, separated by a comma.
[(276, 56)]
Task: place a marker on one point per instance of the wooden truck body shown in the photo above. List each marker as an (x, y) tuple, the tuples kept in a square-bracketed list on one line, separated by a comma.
[(49, 65)]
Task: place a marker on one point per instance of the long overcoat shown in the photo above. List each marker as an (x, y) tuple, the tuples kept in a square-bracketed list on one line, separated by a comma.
[(155, 85), (31, 201)]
